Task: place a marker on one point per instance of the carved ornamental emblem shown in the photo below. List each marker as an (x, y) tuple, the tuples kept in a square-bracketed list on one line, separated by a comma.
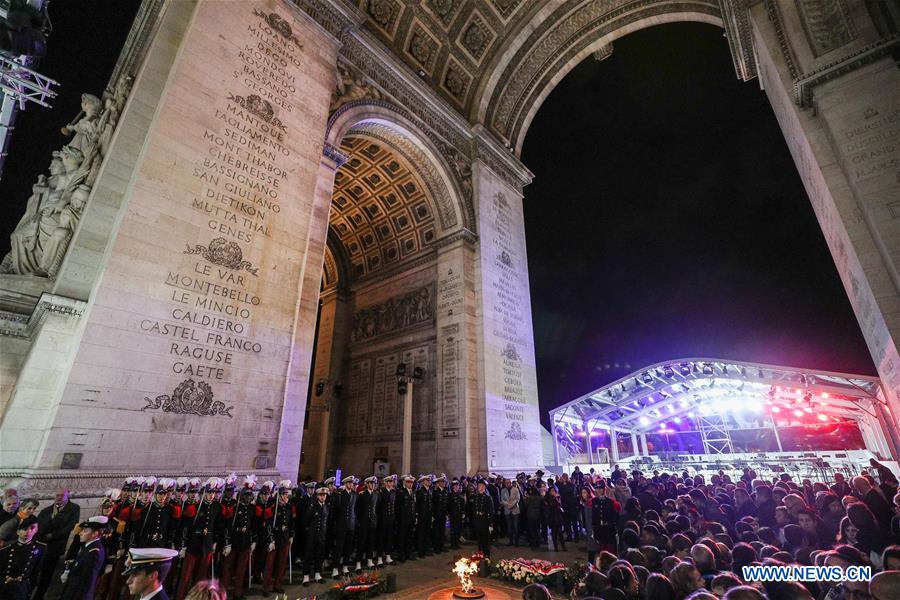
[(224, 253), (515, 432), (190, 398), (510, 352), (506, 259), (279, 25), (259, 108)]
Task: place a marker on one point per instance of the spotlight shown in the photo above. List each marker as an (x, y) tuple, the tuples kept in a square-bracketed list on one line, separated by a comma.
[(646, 377), (822, 417), (775, 409), (643, 420), (677, 419), (798, 413), (691, 415), (668, 371), (825, 395), (685, 369)]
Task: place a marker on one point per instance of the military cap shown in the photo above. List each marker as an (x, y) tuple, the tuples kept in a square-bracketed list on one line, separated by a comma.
[(145, 559), (424, 477), (193, 484), (284, 486), (148, 484), (329, 481), (389, 478), (310, 485), (267, 487), (130, 484), (231, 481), (372, 479), (164, 486), (249, 484), (441, 477), (98, 523), (322, 490), (214, 484), (181, 484), (408, 478), (350, 479)]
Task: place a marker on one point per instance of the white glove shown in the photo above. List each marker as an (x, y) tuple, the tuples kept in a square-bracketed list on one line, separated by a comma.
[(120, 553), (490, 529), (182, 552), (271, 546), (214, 546), (64, 577), (227, 550), (108, 569), (252, 546)]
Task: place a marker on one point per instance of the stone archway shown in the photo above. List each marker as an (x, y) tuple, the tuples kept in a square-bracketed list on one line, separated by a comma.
[(394, 206)]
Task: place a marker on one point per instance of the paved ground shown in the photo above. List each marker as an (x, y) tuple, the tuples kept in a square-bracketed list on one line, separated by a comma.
[(419, 579)]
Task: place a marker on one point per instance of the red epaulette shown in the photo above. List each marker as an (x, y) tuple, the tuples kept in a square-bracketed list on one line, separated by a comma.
[(227, 512), (190, 511), (176, 511)]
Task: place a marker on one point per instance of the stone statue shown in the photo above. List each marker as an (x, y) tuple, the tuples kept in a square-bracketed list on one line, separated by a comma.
[(40, 240), (349, 88), (394, 314)]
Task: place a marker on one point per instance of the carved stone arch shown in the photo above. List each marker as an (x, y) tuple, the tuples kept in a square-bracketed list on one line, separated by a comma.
[(541, 56), (336, 272), (442, 168)]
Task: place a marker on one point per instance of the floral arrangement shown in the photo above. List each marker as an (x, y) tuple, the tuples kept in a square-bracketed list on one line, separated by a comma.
[(361, 586), (527, 570)]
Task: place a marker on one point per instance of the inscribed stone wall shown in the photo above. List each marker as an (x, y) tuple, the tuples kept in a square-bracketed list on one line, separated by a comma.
[(188, 338), (510, 381)]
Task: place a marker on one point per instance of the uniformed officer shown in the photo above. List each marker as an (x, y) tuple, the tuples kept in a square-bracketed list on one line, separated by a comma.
[(456, 508), (305, 495), (239, 539), (424, 516), (406, 519), (228, 502), (387, 520), (278, 551), (19, 560), (316, 523), (81, 574), (154, 526), (344, 524), (482, 517), (112, 544), (146, 569), (367, 514), (199, 528), (439, 500)]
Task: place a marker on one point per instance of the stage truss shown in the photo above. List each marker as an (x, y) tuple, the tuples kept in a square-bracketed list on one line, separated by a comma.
[(712, 395)]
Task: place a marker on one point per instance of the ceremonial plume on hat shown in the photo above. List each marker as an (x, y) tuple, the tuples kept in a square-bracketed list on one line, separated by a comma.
[(249, 481), (231, 480), (284, 485), (181, 483)]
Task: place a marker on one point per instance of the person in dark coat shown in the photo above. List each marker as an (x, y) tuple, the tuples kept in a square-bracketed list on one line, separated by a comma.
[(424, 517), (568, 495), (367, 517), (385, 535), (406, 519), (200, 524), (440, 497), (343, 505), (316, 522), (555, 518), (278, 552), (83, 570), (482, 518), (456, 508), (19, 560), (605, 516), (55, 524), (533, 508), (239, 540)]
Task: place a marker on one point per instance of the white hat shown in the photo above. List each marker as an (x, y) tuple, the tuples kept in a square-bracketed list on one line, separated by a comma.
[(284, 485), (97, 523), (322, 490), (267, 486), (350, 479), (372, 479), (143, 558), (408, 478), (389, 478), (112, 494), (231, 480), (329, 481), (424, 477)]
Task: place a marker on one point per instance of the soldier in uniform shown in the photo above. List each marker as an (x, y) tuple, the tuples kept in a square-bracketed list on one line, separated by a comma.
[(316, 521), (482, 517), (456, 508), (112, 544), (406, 519), (83, 570), (279, 548), (367, 515), (387, 519), (146, 570), (228, 503), (122, 514), (19, 560), (303, 501), (199, 528), (239, 540), (154, 526), (439, 500), (343, 505), (423, 516)]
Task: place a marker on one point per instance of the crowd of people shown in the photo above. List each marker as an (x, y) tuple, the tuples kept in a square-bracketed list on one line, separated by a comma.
[(652, 536)]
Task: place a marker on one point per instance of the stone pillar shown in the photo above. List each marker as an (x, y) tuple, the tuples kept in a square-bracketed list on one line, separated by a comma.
[(335, 321), (833, 88), (194, 349), (506, 365), (459, 426)]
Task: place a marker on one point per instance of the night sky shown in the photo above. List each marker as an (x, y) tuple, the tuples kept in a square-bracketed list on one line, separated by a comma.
[(667, 220)]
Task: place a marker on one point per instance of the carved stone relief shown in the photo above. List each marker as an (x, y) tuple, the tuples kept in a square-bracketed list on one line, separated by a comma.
[(393, 315), (827, 24)]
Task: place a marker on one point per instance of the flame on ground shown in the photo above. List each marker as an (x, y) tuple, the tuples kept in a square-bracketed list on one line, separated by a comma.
[(465, 568)]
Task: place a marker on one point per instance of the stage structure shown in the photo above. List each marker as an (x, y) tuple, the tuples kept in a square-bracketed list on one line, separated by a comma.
[(717, 412)]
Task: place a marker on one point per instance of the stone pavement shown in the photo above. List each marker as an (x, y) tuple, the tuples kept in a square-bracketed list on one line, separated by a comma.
[(419, 579)]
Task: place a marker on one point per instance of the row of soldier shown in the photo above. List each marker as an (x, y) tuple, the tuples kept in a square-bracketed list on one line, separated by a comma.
[(247, 531)]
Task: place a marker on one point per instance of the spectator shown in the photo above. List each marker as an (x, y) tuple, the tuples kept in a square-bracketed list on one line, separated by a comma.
[(207, 589), (55, 524), (743, 592), (686, 579), (509, 500), (873, 499), (9, 506), (8, 529), (885, 586), (659, 587)]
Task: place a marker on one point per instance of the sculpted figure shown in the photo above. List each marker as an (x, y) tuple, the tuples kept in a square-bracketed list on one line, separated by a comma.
[(349, 88), (67, 220), (85, 124)]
